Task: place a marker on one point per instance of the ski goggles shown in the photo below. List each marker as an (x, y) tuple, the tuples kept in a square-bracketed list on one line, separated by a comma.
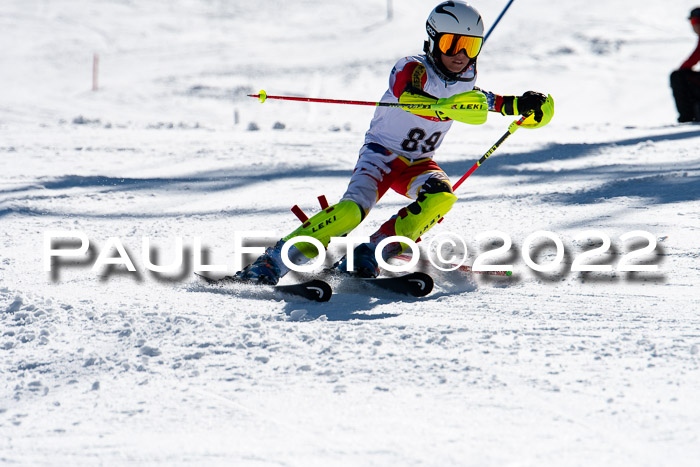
[(452, 44), (695, 20)]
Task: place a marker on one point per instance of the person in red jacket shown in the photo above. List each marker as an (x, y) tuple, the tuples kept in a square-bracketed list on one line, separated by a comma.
[(685, 82)]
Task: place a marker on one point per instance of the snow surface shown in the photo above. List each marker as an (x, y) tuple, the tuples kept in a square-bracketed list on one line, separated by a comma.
[(557, 368)]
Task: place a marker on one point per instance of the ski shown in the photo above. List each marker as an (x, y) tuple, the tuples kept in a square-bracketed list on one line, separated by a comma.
[(416, 284), (315, 289)]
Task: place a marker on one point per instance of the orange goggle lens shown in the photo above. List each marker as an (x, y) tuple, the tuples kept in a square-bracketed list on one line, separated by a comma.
[(452, 44), (695, 20)]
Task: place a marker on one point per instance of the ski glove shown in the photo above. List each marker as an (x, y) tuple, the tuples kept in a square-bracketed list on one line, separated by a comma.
[(530, 102), (545, 112), (539, 106)]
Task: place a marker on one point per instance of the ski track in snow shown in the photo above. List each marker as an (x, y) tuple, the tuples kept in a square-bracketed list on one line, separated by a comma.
[(557, 368)]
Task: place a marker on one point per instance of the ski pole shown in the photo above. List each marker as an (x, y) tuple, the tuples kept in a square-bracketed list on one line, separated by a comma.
[(511, 129), (498, 19), (263, 96)]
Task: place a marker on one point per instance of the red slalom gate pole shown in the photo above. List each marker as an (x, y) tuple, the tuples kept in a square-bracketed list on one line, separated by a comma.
[(95, 70)]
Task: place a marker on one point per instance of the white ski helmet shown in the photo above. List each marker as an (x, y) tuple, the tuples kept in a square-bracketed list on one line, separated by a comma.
[(453, 26)]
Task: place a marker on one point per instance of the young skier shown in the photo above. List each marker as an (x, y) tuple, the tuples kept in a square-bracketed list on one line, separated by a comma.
[(685, 82), (400, 144)]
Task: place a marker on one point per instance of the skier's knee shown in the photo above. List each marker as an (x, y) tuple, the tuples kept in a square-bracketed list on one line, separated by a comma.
[(434, 200), (435, 194), (435, 185), (439, 203)]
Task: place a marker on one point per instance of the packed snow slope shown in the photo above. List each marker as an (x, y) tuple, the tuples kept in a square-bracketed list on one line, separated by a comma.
[(557, 368)]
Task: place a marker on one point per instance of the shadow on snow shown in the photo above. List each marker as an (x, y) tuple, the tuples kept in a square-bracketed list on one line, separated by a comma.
[(656, 185)]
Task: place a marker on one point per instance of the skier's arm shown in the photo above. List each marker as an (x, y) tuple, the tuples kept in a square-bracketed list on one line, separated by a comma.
[(411, 78), (407, 85), (692, 60), (530, 102), (505, 105)]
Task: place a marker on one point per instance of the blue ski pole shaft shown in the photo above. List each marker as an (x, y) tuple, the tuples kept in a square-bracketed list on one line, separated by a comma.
[(498, 19)]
